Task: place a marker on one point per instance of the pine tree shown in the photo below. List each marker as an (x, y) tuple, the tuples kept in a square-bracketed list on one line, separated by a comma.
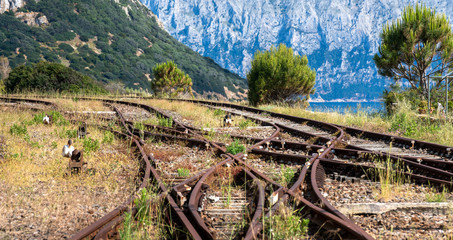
[(169, 80), (279, 75), (415, 47)]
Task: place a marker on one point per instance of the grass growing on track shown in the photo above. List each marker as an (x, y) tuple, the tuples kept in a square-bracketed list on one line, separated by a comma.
[(403, 123), (34, 180), (391, 178), (285, 224), (150, 221), (74, 104), (199, 116)]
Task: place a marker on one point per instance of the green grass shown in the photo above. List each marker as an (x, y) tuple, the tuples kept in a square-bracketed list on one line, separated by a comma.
[(437, 197), (165, 122), (235, 147), (90, 145), (150, 221), (183, 172), (404, 122), (246, 123), (286, 224), (287, 175), (391, 178), (108, 137)]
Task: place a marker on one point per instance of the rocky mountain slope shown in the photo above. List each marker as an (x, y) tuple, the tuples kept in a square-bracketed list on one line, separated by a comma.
[(113, 41), (339, 36), (6, 5)]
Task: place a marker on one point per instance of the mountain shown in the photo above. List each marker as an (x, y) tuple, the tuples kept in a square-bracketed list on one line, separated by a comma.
[(109, 40), (339, 37)]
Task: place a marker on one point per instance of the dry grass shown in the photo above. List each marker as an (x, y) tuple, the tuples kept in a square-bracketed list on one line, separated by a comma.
[(436, 132), (198, 116), (79, 105), (360, 120), (39, 198)]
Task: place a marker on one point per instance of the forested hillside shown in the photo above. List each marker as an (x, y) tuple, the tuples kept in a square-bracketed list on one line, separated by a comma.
[(107, 40)]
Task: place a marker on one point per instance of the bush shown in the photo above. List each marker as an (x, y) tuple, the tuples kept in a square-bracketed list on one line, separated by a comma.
[(169, 79), (246, 123), (279, 75), (66, 47), (50, 77)]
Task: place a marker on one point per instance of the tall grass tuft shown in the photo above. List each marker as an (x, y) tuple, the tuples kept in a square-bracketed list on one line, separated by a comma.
[(391, 177), (286, 224), (149, 221)]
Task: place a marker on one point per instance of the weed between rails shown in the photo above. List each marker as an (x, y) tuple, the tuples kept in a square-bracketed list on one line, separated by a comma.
[(152, 219), (285, 224), (391, 177), (403, 122), (236, 147), (437, 196)]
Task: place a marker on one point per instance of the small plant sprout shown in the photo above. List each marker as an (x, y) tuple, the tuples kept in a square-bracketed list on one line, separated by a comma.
[(183, 172)]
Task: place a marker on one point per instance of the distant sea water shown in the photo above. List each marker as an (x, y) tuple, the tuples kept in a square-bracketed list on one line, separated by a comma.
[(345, 107)]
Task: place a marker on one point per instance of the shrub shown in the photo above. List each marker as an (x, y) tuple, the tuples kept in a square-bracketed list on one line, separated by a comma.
[(50, 77), (169, 79), (279, 75), (66, 47), (71, 133), (403, 124)]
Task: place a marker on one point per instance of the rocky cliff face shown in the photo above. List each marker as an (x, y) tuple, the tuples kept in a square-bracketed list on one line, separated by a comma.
[(340, 37), (6, 5)]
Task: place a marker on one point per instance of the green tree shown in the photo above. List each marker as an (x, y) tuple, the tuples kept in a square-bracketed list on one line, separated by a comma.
[(170, 80), (50, 77), (415, 47), (279, 75)]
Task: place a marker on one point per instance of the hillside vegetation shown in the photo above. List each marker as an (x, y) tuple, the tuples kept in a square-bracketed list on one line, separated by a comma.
[(109, 41), (51, 77)]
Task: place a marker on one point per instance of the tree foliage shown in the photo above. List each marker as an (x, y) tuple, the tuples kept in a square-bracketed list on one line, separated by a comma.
[(170, 80), (415, 47), (279, 75), (50, 77), (114, 37)]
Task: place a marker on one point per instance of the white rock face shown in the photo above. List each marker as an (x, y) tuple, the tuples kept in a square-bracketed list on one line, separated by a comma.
[(340, 37), (6, 5)]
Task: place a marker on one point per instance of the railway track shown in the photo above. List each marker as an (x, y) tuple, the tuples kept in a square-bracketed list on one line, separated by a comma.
[(202, 206)]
